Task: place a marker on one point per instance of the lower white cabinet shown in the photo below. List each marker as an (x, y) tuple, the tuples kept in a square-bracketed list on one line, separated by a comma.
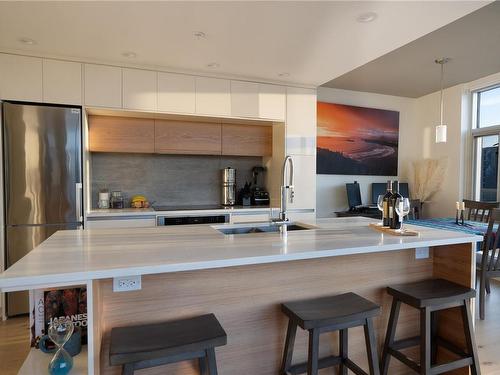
[(121, 223), (20, 78), (249, 218)]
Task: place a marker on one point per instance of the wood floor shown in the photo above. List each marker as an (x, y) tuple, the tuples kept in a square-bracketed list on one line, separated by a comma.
[(14, 338)]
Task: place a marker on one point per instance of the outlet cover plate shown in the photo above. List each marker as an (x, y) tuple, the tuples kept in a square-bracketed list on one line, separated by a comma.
[(126, 283), (422, 252)]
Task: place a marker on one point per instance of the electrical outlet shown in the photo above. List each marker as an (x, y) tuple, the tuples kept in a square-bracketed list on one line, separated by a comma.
[(126, 283), (422, 253)]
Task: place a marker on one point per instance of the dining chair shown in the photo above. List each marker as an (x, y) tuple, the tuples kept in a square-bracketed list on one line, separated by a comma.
[(479, 211), (488, 259)]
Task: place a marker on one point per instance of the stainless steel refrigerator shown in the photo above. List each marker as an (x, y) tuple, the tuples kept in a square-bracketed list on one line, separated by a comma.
[(42, 170)]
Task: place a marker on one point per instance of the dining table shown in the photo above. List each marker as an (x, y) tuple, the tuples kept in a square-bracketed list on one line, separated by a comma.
[(450, 223)]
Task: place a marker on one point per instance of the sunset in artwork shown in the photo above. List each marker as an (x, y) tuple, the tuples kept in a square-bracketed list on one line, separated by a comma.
[(356, 140)]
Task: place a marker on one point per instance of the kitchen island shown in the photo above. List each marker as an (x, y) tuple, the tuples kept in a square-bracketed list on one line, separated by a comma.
[(242, 279)]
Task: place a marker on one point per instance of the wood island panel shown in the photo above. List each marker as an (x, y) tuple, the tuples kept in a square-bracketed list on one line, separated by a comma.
[(183, 137), (247, 301)]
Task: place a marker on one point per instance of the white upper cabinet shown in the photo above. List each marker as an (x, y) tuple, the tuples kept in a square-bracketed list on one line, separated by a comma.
[(300, 121), (176, 93), (140, 89), (272, 102), (62, 82), (103, 86), (244, 99), (213, 96), (20, 78)]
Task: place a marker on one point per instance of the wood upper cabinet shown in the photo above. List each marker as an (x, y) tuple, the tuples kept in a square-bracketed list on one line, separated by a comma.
[(20, 78), (176, 93), (247, 140), (213, 96), (140, 89), (121, 134), (103, 86), (183, 137), (62, 82)]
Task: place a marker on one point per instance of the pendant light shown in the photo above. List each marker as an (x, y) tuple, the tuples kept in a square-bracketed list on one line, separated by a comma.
[(441, 129)]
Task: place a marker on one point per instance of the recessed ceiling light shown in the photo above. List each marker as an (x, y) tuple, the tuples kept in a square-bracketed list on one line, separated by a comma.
[(285, 74), (129, 54), (200, 34), (367, 17), (27, 41), (213, 65)]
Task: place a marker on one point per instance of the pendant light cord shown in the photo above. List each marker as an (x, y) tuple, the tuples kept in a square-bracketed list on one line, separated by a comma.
[(441, 101)]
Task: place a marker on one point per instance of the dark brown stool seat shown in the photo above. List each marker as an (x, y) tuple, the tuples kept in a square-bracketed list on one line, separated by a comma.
[(150, 345), (327, 314), (430, 297)]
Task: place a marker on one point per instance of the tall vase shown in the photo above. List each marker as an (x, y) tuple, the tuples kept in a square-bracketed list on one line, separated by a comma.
[(60, 331)]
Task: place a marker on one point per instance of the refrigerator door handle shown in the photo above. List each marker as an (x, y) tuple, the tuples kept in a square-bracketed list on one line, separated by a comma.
[(78, 195)]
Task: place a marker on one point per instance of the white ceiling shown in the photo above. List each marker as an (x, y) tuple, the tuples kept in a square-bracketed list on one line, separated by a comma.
[(312, 41), (472, 43)]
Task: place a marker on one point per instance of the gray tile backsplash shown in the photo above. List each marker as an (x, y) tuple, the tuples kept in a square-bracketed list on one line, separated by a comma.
[(167, 179)]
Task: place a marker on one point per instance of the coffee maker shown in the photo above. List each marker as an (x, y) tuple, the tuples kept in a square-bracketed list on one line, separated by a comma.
[(260, 196), (228, 197)]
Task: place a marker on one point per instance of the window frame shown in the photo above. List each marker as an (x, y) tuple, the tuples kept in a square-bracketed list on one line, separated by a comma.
[(476, 133)]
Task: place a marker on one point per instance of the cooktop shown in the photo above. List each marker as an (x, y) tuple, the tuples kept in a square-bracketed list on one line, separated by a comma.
[(188, 207)]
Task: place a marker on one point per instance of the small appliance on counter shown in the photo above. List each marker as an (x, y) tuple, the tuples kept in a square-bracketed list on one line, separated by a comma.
[(228, 186), (260, 196), (103, 199), (117, 200)]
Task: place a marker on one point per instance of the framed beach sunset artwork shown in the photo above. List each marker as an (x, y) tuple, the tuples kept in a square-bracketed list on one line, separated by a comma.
[(357, 140)]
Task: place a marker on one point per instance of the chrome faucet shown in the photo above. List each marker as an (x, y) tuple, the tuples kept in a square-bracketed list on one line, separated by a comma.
[(287, 192)]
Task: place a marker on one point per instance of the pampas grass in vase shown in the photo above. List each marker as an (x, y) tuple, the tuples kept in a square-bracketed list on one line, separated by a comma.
[(427, 177)]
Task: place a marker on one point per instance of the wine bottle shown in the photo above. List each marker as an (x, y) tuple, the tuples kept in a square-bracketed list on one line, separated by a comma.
[(395, 222), (387, 201)]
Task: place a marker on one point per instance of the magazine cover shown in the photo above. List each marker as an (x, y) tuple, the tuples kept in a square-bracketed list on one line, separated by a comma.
[(66, 303), (37, 316)]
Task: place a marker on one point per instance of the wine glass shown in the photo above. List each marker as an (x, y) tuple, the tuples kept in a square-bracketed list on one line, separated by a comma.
[(402, 209), (60, 330), (380, 206)]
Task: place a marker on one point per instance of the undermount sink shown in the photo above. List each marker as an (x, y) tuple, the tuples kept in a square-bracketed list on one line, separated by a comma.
[(260, 228)]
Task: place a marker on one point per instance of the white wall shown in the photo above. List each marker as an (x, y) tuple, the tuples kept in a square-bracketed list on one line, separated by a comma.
[(457, 149), (330, 189)]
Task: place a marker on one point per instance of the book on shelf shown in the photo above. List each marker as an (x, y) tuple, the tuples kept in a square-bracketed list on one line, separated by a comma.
[(52, 304)]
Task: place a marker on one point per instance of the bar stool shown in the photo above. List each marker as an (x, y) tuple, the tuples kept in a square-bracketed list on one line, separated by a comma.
[(327, 314), (430, 297), (145, 346)]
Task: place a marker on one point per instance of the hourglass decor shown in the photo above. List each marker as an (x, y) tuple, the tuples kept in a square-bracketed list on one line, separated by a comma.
[(60, 330)]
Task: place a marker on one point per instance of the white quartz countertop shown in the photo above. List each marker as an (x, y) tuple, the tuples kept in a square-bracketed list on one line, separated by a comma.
[(79, 255)]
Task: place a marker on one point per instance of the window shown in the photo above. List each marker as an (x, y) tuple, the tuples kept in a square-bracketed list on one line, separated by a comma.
[(486, 133)]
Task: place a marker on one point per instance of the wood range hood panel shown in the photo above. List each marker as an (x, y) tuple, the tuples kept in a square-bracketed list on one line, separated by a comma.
[(181, 137), (247, 140)]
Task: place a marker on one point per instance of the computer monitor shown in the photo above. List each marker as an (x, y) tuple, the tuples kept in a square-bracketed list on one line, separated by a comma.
[(353, 195), (379, 188)]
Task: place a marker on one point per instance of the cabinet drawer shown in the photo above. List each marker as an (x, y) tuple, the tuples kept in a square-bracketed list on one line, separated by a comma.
[(249, 218), (121, 134), (183, 137), (121, 223)]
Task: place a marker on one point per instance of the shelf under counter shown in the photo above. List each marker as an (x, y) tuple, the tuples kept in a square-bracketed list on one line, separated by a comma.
[(37, 362)]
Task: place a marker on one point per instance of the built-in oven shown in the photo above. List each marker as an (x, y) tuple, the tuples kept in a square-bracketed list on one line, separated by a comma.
[(174, 219)]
